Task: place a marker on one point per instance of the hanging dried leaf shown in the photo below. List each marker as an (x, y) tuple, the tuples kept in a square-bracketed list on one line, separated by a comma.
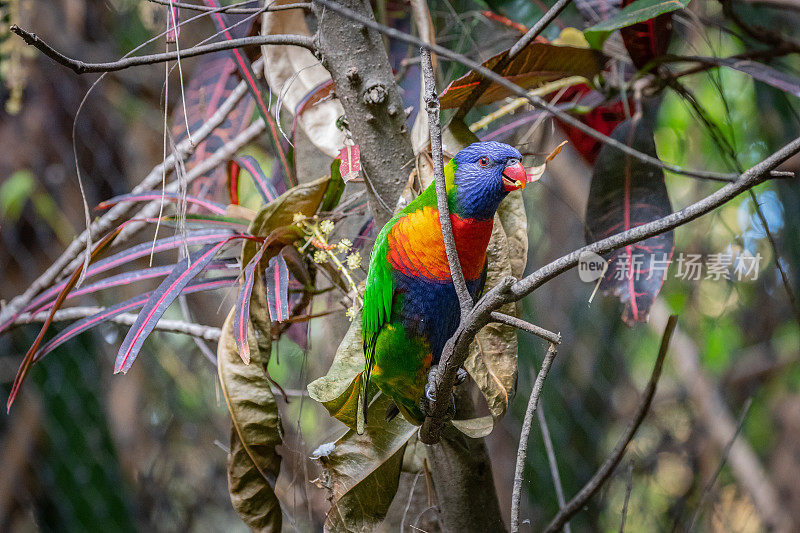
[(538, 63), (362, 471), (626, 193), (293, 74), (253, 462), (492, 361)]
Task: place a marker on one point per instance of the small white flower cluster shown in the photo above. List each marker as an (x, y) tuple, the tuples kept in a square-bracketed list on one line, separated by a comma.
[(317, 235)]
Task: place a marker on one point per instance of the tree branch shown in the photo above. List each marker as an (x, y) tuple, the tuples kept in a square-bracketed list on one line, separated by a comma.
[(524, 41), (551, 460), (524, 325), (199, 331), (232, 9), (82, 67), (511, 290), (608, 466), (435, 128), (359, 65), (108, 220), (534, 100), (522, 451)]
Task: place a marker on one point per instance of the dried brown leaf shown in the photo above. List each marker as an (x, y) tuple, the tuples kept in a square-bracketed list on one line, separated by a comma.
[(253, 461)]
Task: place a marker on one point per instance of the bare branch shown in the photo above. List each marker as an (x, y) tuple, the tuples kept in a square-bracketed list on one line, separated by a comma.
[(519, 91), (710, 485), (608, 466), (551, 460), (524, 41), (81, 67), (435, 127), (511, 290), (525, 434), (720, 423), (108, 220), (234, 10), (628, 488), (199, 331), (524, 325)]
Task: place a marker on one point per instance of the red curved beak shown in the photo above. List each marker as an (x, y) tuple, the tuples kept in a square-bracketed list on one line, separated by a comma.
[(514, 177)]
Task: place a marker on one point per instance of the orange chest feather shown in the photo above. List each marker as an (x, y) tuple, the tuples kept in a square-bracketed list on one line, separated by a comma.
[(416, 247)]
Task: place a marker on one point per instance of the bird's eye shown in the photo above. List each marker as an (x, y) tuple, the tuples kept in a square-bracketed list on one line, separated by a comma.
[(483, 161)]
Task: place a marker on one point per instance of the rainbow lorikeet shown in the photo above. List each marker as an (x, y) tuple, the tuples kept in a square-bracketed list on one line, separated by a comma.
[(410, 305)]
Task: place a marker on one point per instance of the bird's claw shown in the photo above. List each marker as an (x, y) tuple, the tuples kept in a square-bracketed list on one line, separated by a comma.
[(430, 393), (461, 376)]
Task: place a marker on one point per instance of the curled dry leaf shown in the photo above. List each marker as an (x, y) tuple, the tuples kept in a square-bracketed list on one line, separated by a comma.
[(293, 74), (253, 461), (362, 471), (492, 361)]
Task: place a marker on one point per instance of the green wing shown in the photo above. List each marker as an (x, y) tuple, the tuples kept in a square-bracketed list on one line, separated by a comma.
[(379, 291)]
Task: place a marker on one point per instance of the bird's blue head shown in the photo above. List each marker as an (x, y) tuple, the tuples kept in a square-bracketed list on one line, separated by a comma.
[(480, 176)]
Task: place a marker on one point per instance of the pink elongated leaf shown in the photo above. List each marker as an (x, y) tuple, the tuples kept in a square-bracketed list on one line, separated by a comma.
[(350, 157), (173, 21), (85, 324), (241, 316), (246, 71), (126, 278), (277, 277), (150, 196), (160, 299), (131, 254), (262, 182)]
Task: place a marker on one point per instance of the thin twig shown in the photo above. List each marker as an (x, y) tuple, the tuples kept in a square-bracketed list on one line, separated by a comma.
[(520, 45), (522, 451), (519, 91), (608, 466), (234, 10), (108, 220), (435, 127), (551, 460), (81, 67), (710, 485), (524, 325), (628, 488), (199, 331)]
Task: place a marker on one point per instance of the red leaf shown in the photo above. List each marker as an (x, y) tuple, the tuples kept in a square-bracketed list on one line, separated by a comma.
[(241, 316), (260, 179), (211, 83), (538, 63), (246, 71), (626, 193), (350, 156), (173, 23), (277, 276), (27, 361), (233, 182), (603, 118), (647, 40)]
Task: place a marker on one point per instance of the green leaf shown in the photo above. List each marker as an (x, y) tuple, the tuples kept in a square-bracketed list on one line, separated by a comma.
[(362, 471), (335, 187), (253, 461), (338, 390), (638, 11)]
